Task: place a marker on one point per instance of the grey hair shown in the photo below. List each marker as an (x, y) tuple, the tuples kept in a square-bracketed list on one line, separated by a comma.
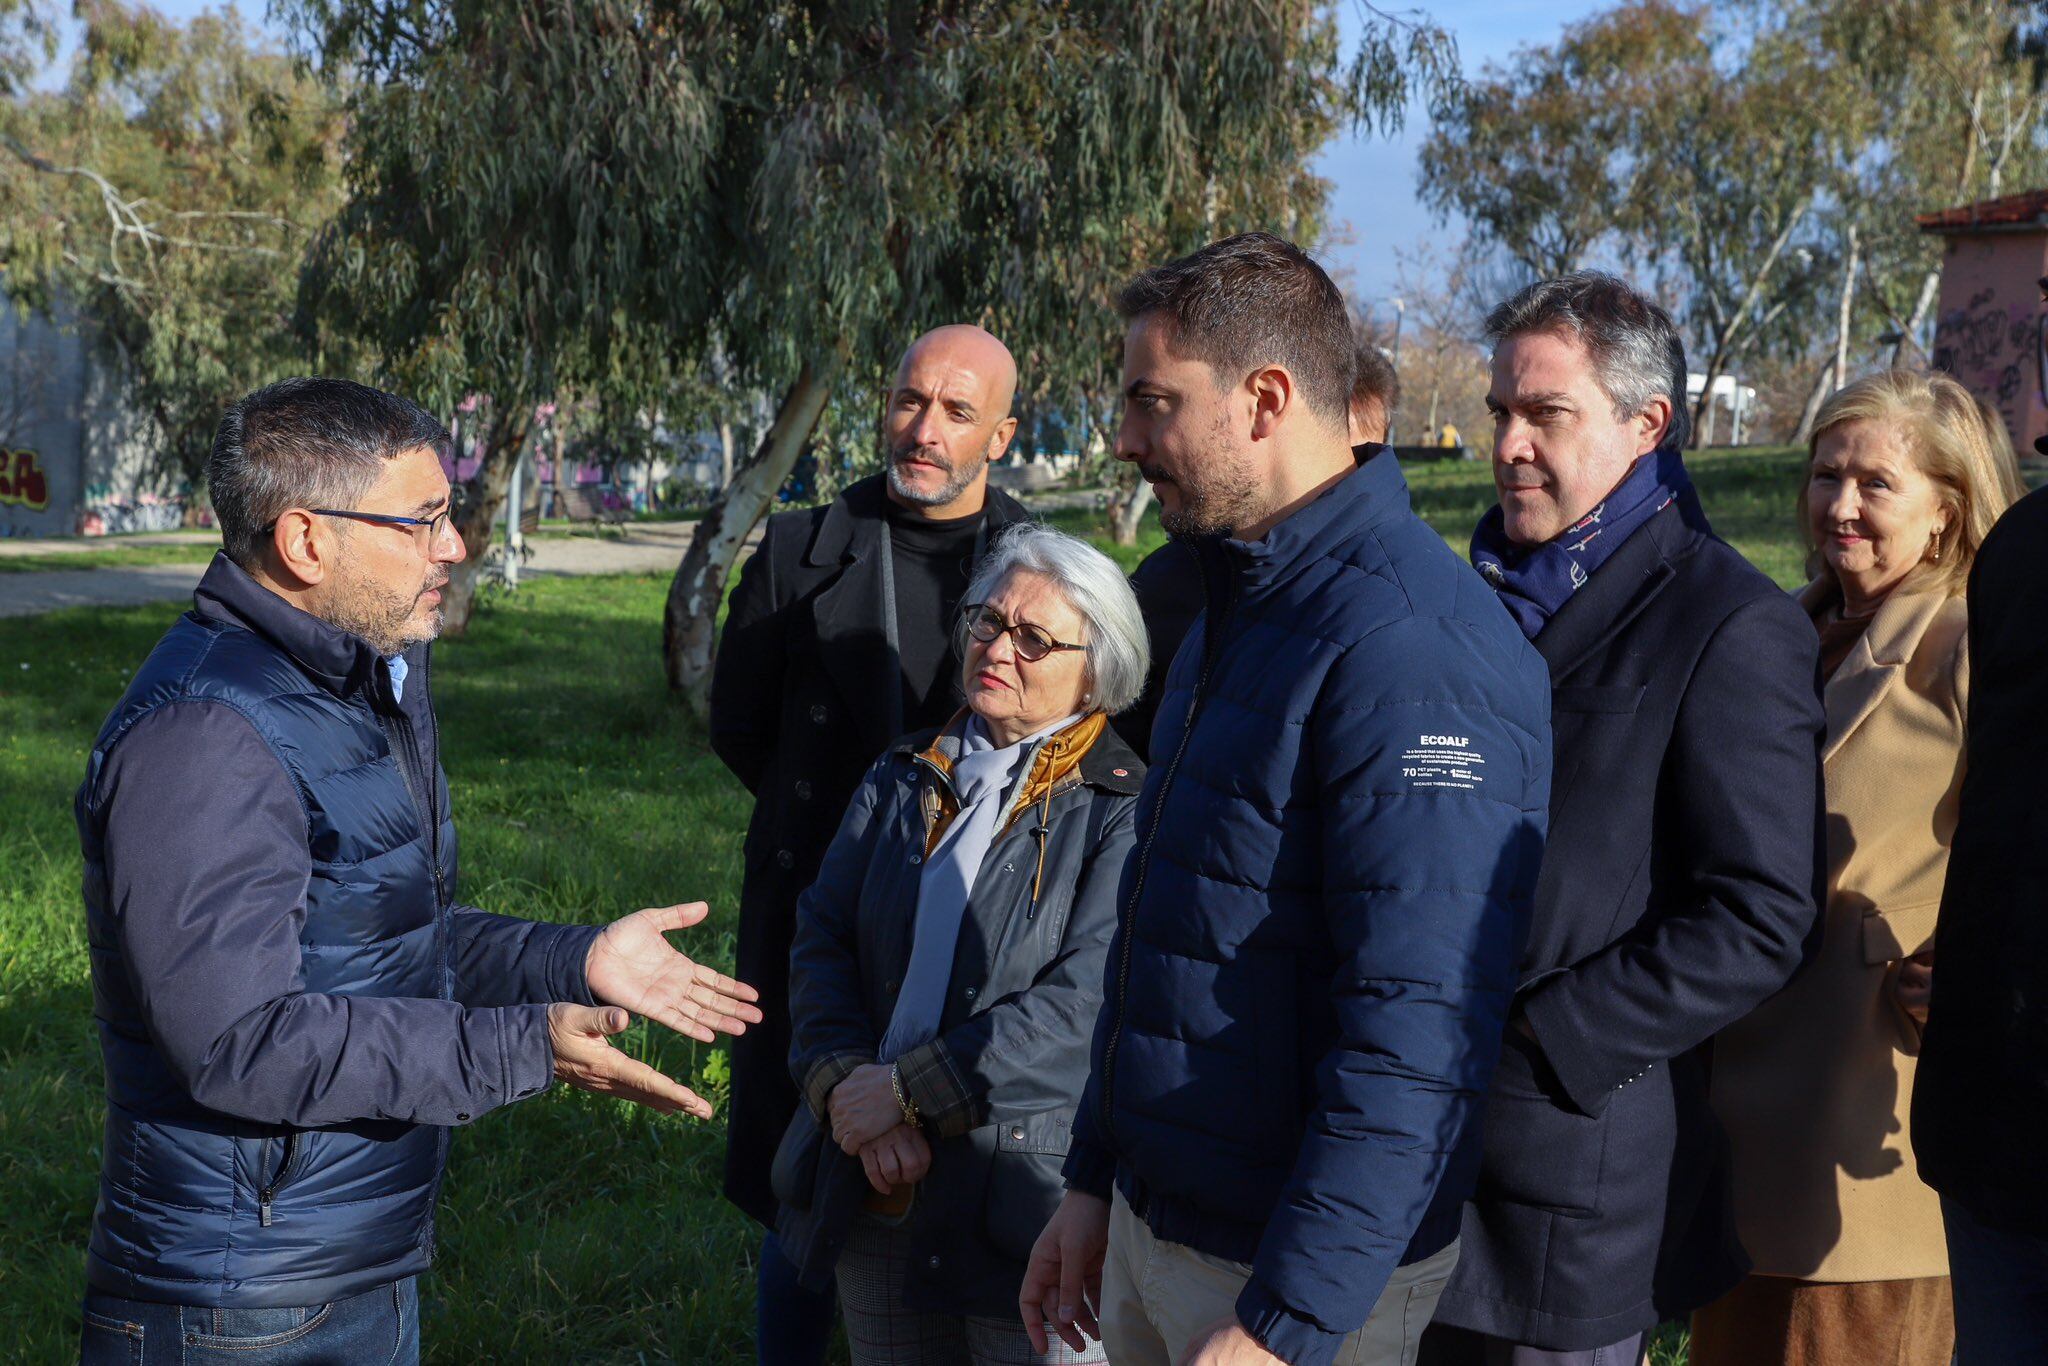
[(1118, 650), (306, 443), (1636, 351)]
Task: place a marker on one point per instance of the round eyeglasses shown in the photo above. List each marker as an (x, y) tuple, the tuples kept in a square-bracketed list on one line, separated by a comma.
[(1033, 643)]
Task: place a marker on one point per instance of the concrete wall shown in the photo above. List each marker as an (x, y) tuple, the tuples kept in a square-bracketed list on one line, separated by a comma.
[(1988, 332), (79, 459), (42, 426)]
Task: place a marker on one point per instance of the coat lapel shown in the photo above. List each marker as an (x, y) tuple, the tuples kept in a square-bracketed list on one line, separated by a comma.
[(853, 642), (1616, 593), (1878, 660), (852, 635)]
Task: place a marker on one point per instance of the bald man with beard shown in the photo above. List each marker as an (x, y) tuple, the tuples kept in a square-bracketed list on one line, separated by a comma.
[(837, 640)]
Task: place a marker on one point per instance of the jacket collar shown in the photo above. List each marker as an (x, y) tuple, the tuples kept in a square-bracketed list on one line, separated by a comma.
[(337, 660), (1104, 762), (1370, 495), (1878, 659), (1619, 590)]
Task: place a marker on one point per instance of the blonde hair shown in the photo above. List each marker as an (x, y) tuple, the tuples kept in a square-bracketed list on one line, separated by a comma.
[(1953, 439)]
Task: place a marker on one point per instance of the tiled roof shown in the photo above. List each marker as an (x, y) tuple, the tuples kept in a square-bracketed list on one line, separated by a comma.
[(2012, 211)]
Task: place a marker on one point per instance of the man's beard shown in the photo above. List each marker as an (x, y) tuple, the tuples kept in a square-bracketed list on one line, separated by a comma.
[(957, 479), (1218, 494), (383, 617)]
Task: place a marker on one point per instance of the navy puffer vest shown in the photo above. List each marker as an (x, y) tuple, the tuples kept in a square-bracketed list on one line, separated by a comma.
[(200, 1207)]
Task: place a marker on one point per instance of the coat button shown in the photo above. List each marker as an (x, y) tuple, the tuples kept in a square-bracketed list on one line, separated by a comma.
[(933, 1261), (1017, 1134), (970, 993), (916, 859), (803, 789), (785, 858), (461, 1118), (818, 713)]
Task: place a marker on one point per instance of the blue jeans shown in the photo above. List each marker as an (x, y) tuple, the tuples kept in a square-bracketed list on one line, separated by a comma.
[(377, 1326), (2000, 1281)]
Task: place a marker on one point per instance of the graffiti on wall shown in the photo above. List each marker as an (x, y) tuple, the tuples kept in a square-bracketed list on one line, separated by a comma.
[(22, 482), (1995, 354), (102, 514)]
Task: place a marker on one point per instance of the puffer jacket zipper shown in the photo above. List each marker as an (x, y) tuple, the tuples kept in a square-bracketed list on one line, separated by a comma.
[(274, 1182), (419, 772), (1219, 618)]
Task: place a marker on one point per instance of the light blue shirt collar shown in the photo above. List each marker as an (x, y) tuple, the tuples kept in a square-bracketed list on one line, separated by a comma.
[(399, 668)]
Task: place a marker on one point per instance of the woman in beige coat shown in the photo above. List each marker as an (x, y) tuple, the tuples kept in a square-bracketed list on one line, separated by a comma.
[(1904, 479)]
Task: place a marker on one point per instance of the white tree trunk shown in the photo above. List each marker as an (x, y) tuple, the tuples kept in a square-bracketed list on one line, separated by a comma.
[(1848, 306), (725, 455), (1132, 514), (1910, 335), (690, 621), (1822, 383)]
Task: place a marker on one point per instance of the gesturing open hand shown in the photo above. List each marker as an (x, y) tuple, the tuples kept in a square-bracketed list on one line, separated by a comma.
[(633, 965), (585, 1059)]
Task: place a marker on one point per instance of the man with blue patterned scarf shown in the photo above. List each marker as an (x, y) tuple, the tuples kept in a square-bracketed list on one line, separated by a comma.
[(1680, 881)]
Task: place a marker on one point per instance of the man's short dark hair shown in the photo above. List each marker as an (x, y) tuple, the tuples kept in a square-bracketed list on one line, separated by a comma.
[(1375, 385), (1253, 300), (1635, 347), (306, 443)]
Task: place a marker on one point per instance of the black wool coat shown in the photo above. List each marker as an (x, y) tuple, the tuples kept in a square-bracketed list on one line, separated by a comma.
[(806, 692), (1980, 1099), (1679, 888)]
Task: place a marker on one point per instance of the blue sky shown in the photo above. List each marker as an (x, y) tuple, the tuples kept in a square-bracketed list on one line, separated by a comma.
[(1374, 179), (1374, 197)]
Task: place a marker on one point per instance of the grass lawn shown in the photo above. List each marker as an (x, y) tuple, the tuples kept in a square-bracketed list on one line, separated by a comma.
[(583, 792), (111, 556)]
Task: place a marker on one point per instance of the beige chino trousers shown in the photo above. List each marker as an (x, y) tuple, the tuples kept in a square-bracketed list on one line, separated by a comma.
[(1158, 1296)]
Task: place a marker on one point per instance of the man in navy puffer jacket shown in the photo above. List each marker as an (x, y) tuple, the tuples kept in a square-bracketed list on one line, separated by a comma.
[(292, 1009), (1338, 845)]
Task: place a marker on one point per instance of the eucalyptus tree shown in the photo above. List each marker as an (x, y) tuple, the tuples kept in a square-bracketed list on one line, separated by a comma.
[(603, 196), (1543, 153), (1662, 135), (1009, 163), (529, 210), (162, 189), (1948, 101)]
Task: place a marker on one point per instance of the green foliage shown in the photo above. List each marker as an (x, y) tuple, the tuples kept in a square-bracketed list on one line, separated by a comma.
[(1729, 151), (1545, 154), (28, 40), (165, 194), (594, 195)]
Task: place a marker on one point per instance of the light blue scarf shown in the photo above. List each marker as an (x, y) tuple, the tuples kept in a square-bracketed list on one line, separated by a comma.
[(983, 779)]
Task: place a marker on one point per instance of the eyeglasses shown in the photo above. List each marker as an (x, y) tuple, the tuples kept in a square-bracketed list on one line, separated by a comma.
[(985, 623), (435, 524)]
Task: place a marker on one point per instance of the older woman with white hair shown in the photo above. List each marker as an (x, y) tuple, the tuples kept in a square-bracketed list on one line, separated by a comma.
[(948, 969)]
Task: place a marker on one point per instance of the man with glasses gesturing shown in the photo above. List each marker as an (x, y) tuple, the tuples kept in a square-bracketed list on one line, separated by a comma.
[(293, 1009)]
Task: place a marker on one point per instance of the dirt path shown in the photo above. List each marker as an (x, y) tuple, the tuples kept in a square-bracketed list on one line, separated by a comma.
[(636, 548)]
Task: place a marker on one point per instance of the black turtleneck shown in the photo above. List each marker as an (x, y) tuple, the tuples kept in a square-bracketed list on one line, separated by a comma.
[(932, 561)]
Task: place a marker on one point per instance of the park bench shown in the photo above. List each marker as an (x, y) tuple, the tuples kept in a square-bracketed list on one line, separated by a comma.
[(588, 505)]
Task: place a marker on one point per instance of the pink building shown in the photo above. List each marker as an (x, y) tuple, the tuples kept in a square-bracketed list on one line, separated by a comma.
[(1988, 332)]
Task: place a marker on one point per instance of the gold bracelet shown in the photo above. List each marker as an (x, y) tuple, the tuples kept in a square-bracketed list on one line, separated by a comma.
[(908, 1106)]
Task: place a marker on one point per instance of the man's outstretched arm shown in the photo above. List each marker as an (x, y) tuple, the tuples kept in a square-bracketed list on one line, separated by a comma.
[(208, 898)]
